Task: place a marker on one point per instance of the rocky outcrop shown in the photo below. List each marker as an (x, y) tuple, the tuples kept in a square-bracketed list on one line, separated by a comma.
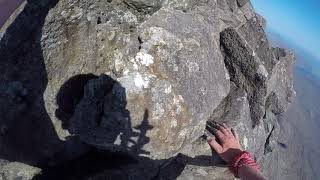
[(16, 170), (139, 80)]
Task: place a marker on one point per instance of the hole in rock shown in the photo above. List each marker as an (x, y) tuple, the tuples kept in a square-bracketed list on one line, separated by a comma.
[(99, 20)]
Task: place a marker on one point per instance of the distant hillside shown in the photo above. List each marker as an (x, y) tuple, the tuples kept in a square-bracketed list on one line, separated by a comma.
[(300, 125), (305, 62)]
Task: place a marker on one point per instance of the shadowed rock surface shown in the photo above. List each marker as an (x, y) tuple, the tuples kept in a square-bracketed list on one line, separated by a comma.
[(125, 88)]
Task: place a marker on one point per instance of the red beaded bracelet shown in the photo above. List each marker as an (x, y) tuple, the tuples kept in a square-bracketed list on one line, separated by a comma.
[(242, 159)]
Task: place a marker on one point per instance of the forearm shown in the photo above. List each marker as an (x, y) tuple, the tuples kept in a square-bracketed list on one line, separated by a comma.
[(250, 173), (7, 7)]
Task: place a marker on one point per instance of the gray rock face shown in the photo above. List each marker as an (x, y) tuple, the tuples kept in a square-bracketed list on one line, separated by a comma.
[(280, 84), (140, 78), (242, 2), (235, 111), (164, 69), (246, 71)]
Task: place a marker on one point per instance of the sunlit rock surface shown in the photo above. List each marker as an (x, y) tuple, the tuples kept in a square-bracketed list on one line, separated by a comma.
[(86, 80)]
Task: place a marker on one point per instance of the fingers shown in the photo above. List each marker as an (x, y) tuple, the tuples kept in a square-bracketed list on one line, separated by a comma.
[(220, 135), (215, 145), (225, 129), (223, 132), (235, 134)]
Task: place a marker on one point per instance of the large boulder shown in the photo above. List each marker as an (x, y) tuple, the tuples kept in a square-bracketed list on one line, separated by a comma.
[(140, 78), (170, 65)]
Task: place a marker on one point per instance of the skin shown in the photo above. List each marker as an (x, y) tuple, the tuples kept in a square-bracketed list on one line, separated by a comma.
[(7, 7), (228, 147)]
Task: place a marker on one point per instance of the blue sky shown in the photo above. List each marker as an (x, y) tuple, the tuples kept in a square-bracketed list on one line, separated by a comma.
[(298, 20)]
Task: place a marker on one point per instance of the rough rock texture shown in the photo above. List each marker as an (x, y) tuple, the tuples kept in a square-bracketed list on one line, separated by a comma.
[(17, 170), (138, 80), (281, 94), (164, 69), (246, 71)]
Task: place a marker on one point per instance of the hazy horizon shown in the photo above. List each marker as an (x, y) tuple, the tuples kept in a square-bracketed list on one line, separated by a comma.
[(295, 20)]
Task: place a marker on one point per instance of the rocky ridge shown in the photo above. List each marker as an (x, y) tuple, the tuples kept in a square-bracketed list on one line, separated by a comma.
[(139, 79)]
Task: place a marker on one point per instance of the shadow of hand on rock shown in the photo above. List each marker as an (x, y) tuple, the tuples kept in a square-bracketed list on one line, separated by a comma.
[(93, 109), (97, 116), (100, 117)]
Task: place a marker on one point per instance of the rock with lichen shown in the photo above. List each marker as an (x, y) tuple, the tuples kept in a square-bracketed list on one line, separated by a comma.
[(140, 78), (164, 69)]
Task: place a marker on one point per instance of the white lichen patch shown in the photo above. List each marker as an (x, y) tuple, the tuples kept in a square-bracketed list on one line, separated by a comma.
[(135, 82), (193, 67), (227, 76), (163, 43), (135, 66), (262, 71), (158, 111), (202, 172), (141, 82), (118, 63), (173, 123), (203, 90), (76, 13), (168, 89), (239, 99), (159, 37), (144, 58), (253, 53), (177, 101), (162, 97), (111, 35), (129, 17), (126, 72), (245, 142), (183, 133)]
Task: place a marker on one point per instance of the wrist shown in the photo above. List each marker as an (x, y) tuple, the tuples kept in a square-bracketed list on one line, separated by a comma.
[(243, 159), (232, 154)]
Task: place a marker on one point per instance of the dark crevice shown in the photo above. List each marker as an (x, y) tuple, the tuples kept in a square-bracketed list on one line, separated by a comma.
[(265, 115), (140, 42), (141, 10), (267, 147), (99, 20)]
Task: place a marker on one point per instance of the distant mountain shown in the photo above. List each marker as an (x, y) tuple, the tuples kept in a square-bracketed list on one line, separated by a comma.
[(300, 125), (305, 61)]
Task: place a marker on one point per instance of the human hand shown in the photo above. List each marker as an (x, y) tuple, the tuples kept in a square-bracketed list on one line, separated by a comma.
[(228, 146)]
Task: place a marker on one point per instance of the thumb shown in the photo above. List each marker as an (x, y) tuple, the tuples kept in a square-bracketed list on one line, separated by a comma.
[(215, 145)]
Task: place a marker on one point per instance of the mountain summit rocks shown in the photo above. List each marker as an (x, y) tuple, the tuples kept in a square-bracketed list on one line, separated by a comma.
[(139, 78)]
